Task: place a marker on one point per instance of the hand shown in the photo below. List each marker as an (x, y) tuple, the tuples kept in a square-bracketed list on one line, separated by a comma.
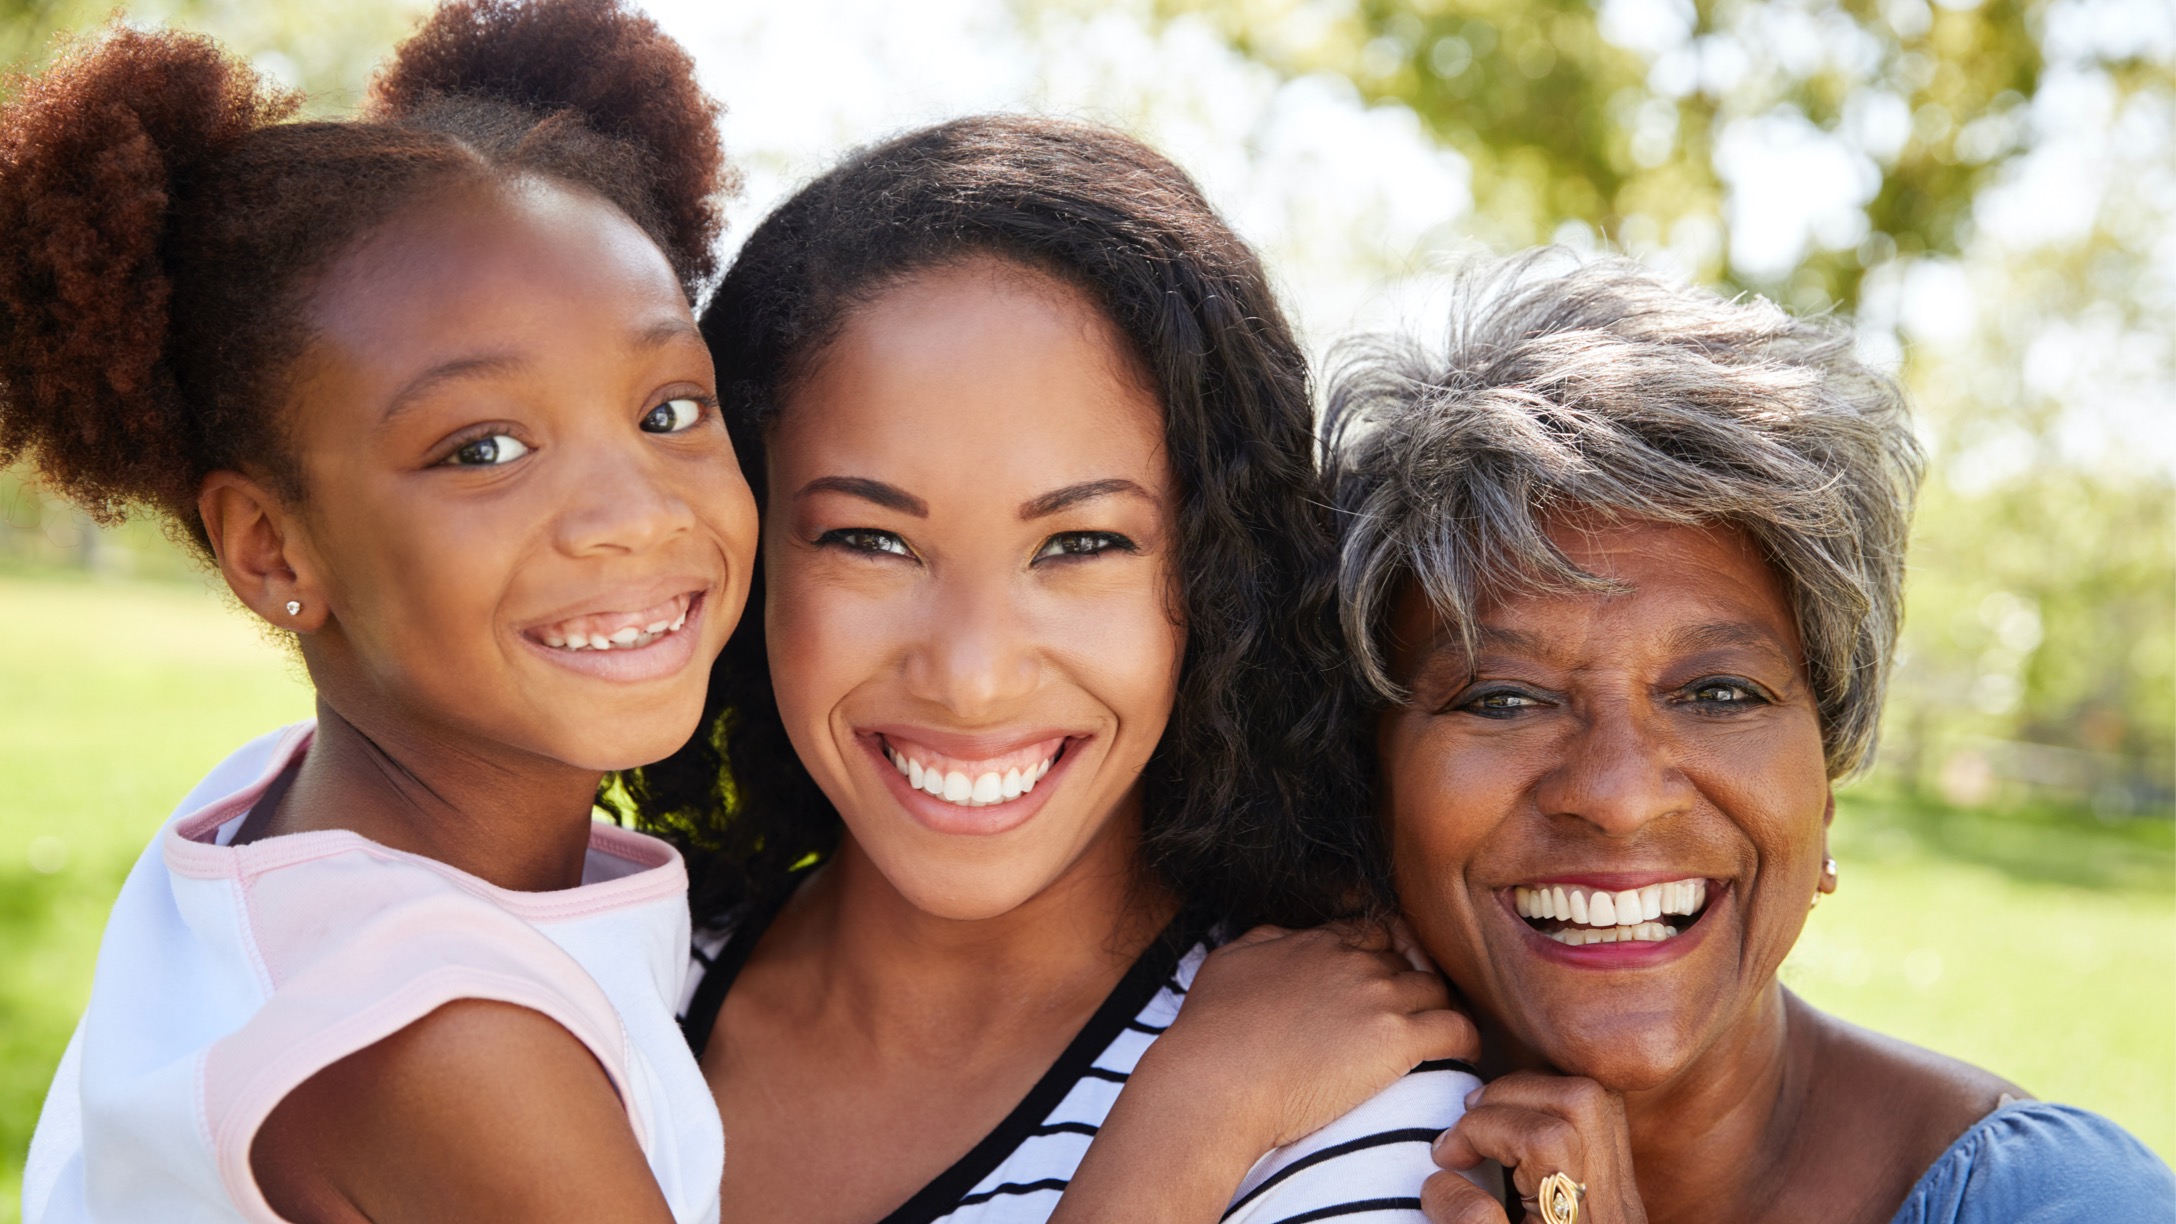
[(1281, 1033), (1305, 1025), (1536, 1124)]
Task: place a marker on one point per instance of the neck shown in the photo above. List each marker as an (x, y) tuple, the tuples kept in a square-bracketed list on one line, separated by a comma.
[(900, 970), (1713, 1142), (507, 817)]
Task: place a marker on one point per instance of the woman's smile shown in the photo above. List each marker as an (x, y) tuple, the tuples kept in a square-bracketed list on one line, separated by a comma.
[(971, 784), (1614, 920)]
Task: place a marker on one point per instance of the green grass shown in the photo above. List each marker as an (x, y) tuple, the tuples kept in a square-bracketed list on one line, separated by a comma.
[(2036, 944)]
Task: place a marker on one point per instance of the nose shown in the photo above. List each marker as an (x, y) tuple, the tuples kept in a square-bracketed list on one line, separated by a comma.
[(617, 499), (1617, 771), (977, 655)]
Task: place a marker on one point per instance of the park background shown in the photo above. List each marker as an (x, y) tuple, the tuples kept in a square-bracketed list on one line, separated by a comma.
[(1987, 190)]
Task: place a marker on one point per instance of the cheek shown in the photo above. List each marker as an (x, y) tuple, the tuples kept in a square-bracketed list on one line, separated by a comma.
[(1435, 822)]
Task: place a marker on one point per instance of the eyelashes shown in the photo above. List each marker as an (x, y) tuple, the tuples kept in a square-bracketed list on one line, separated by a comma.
[(1064, 546)]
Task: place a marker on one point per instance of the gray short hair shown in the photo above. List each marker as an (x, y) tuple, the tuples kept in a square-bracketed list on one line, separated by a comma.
[(1598, 386)]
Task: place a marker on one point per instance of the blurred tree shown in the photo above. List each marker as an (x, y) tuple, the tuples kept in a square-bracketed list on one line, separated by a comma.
[(1987, 187), (1613, 115)]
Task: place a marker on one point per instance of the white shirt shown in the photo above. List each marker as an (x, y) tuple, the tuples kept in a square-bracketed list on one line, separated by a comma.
[(229, 975)]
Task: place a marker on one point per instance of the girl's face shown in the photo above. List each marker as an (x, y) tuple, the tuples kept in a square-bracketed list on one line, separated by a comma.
[(524, 524), (969, 566)]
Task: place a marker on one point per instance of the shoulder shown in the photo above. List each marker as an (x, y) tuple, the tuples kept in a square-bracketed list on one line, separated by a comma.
[(2036, 1162), (1906, 1100), (1373, 1159), (477, 1109)]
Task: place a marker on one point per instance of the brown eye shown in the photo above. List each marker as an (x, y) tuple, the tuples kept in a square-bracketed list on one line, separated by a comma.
[(672, 416), (488, 451)]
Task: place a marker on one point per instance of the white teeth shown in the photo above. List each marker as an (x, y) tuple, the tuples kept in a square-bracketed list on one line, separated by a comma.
[(1645, 932), (1626, 910), (1601, 909), (982, 790), (957, 789), (626, 638)]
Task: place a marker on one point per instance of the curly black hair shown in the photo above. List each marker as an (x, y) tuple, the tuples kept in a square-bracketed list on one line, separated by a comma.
[(1255, 797), (165, 218)]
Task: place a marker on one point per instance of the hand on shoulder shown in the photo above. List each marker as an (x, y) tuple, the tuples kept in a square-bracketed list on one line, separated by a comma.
[(480, 1110), (1282, 1032)]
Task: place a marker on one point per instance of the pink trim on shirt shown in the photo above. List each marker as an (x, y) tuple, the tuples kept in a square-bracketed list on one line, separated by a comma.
[(356, 941)]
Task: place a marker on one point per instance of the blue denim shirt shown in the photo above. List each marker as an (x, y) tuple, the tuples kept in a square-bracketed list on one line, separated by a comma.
[(2040, 1163)]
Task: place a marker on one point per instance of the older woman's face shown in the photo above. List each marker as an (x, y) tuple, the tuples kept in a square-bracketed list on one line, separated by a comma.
[(1658, 748)]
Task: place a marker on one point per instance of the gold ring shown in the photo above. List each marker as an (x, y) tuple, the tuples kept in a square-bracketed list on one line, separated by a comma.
[(1558, 1199)]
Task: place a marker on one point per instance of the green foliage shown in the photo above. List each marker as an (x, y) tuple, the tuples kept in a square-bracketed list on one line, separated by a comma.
[(1561, 124), (2040, 636)]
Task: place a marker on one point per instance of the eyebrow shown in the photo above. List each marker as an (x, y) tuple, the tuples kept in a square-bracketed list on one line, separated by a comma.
[(482, 365), (891, 497), (494, 365), (1717, 634), (1072, 495)]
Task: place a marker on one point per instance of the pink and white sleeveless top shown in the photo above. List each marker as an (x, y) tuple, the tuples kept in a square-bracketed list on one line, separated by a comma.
[(228, 975)]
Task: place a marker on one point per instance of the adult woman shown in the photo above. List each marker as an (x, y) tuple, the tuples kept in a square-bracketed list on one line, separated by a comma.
[(1626, 564), (1042, 557)]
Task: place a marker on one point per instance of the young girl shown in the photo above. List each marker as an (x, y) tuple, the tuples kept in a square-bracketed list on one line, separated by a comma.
[(1042, 707), (426, 387)]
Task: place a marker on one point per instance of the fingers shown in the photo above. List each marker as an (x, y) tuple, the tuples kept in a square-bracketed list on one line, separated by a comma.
[(1406, 944), (1260, 934), (1444, 1034), (1529, 1144), (1447, 1198)]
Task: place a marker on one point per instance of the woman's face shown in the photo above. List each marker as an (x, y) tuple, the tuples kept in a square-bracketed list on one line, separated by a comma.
[(970, 604), (1658, 747), (525, 526)]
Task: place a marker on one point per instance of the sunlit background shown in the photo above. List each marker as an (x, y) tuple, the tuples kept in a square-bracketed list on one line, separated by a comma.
[(1988, 190)]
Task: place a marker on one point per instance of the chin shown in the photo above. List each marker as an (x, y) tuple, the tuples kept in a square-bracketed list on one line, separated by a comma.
[(966, 892), (1620, 1055)]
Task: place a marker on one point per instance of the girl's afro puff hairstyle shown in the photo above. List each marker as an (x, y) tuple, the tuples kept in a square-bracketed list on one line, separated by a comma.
[(165, 218)]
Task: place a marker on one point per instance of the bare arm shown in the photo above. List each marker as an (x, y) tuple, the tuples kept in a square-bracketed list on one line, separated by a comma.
[(478, 1111)]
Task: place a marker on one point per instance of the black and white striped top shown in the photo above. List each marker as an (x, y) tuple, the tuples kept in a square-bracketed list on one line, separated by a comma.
[(1366, 1168)]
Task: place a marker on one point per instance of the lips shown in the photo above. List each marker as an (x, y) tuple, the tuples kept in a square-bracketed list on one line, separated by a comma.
[(970, 784), (1614, 920), (646, 638)]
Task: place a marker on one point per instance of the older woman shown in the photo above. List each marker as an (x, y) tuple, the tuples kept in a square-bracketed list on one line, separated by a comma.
[(1625, 563)]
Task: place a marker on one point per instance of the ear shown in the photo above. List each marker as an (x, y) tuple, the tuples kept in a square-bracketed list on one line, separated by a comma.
[(259, 546)]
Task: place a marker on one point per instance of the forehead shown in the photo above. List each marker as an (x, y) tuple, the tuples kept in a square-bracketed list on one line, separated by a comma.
[(972, 360), (1680, 588), (499, 263)]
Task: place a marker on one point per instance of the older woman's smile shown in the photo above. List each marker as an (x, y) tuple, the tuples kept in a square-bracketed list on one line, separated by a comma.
[(1580, 910)]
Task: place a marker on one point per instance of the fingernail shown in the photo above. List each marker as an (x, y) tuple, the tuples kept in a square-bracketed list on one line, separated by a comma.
[(1473, 1096)]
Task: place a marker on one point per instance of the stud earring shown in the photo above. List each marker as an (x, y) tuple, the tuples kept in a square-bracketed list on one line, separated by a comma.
[(294, 607), (1828, 880)]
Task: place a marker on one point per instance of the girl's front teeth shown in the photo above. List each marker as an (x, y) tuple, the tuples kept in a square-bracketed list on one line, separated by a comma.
[(627, 638), (954, 786)]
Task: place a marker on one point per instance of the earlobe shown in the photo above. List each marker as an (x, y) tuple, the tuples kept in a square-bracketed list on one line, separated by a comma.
[(256, 543)]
